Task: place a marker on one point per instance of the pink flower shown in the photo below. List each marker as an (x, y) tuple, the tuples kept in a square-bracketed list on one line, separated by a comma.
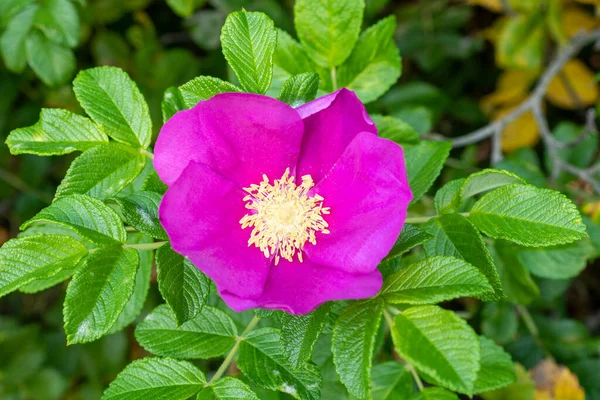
[(283, 208)]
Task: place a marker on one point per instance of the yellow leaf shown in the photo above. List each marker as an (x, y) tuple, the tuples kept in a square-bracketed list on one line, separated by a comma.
[(567, 387), (554, 382), (581, 81), (576, 20), (492, 5), (543, 395), (512, 88), (522, 132)]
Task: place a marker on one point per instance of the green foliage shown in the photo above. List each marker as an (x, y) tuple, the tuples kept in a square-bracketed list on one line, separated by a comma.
[(227, 389), (391, 380), (299, 89), (409, 238), (424, 161), (203, 88), (395, 129), (497, 369), (53, 63), (141, 211)]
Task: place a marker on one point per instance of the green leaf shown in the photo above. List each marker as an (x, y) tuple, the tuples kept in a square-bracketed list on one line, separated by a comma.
[(57, 132), (522, 389), (328, 29), (156, 378), (89, 217), (12, 41), (290, 58), (448, 200), (395, 129), (424, 163), (112, 99), (227, 388), (528, 216), (353, 343), (453, 235), (181, 284), (183, 8), (300, 89), (557, 262), (440, 344), (249, 40), (434, 393), (516, 281), (409, 238), (53, 63), (141, 211), (98, 293), (152, 183), (102, 171), (40, 284), (499, 321), (299, 333), (488, 179), (374, 65), (210, 334), (59, 21), (36, 257), (262, 362), (203, 88), (391, 381), (10, 8), (497, 369), (522, 42), (433, 280), (172, 103)]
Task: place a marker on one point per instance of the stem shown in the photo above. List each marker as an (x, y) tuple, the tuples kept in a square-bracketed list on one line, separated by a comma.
[(422, 220), (148, 154), (532, 328), (415, 375), (146, 246), (233, 351), (388, 318), (334, 78)]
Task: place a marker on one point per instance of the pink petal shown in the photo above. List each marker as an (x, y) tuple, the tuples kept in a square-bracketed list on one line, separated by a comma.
[(368, 193), (239, 135), (299, 288), (200, 212), (330, 124)]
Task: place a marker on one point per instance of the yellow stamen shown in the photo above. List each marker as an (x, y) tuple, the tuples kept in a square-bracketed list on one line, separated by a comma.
[(284, 216)]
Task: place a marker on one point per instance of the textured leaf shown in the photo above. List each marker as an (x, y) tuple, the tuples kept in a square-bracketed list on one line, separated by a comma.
[(141, 211), (557, 262), (391, 381), (261, 360), (488, 179), (424, 162), (409, 238), (440, 344), (172, 103), (516, 281), (328, 29), (227, 388), (112, 99), (353, 342), (156, 378), (12, 41), (36, 257), (181, 284), (522, 389), (152, 183), (299, 333), (249, 40), (53, 63), (448, 199), (300, 89), (57, 132), (203, 88), (453, 235), (210, 334), (374, 64), (89, 217), (102, 171), (528, 216), (433, 280), (395, 129), (59, 21), (98, 293), (290, 58), (497, 369), (434, 393), (40, 284)]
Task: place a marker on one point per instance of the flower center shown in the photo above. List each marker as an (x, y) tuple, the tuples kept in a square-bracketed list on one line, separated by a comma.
[(284, 216)]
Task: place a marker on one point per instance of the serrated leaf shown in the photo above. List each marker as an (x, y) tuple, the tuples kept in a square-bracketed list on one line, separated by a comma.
[(152, 183), (36, 257), (102, 171), (522, 389), (300, 89), (440, 344), (40, 284), (141, 211), (203, 88), (89, 217), (290, 58), (248, 40), (374, 64), (328, 30), (497, 369), (299, 333), (183, 286), (424, 162), (112, 99), (409, 238), (98, 293), (488, 179), (52, 63), (156, 378), (516, 281), (395, 129), (261, 360), (353, 342), (453, 235), (433, 280), (528, 216), (57, 132), (391, 381), (227, 388), (12, 41), (557, 262), (172, 103), (209, 334), (448, 199), (434, 393), (59, 21)]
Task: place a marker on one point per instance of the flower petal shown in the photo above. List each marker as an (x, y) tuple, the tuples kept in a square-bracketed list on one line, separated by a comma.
[(330, 124), (300, 287), (368, 193), (200, 212), (239, 135)]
